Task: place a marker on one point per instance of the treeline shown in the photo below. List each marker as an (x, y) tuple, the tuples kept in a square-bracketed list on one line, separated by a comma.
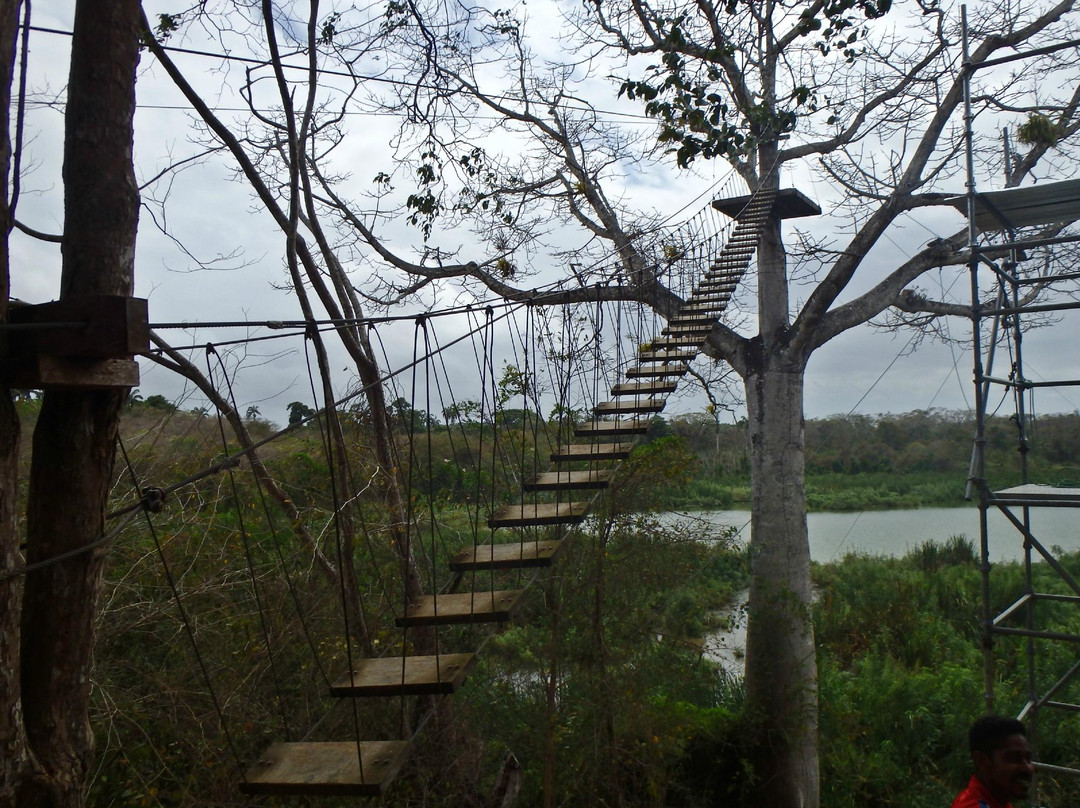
[(932, 440), (855, 462), (469, 454)]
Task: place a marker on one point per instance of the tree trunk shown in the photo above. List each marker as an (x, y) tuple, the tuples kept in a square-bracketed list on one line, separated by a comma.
[(75, 436), (12, 739), (781, 669)]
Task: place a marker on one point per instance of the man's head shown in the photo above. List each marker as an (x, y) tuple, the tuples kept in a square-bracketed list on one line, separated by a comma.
[(999, 747)]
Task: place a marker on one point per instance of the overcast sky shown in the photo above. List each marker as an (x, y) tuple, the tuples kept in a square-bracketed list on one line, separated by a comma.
[(865, 371)]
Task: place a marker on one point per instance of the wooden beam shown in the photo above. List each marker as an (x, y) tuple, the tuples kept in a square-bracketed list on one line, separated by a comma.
[(100, 326), (61, 373)]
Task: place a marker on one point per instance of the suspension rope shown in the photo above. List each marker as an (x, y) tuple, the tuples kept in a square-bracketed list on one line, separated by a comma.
[(184, 619), (242, 526)]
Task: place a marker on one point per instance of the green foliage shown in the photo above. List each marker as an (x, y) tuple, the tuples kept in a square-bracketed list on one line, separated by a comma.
[(1039, 130), (900, 670), (299, 412), (690, 91)]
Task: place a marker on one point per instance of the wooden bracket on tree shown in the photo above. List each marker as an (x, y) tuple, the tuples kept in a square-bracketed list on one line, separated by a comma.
[(85, 343)]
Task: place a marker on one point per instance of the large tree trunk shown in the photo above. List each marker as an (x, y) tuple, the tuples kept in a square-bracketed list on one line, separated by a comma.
[(76, 432), (781, 669), (12, 740)]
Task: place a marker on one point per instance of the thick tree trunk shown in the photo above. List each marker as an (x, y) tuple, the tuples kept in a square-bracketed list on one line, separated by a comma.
[(12, 740), (76, 432), (781, 669)]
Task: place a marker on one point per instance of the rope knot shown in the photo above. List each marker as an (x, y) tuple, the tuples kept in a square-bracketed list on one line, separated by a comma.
[(153, 500)]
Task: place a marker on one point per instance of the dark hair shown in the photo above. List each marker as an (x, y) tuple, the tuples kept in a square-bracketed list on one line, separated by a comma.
[(987, 733)]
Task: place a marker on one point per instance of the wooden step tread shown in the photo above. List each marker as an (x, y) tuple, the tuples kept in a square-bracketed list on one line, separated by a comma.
[(326, 769), (678, 341), (657, 371), (461, 607), (509, 555), (592, 451), (665, 356), (643, 388), (634, 426), (629, 407), (689, 323), (565, 479), (710, 286), (539, 513), (406, 676)]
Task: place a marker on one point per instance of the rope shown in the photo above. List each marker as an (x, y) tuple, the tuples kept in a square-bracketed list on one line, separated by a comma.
[(184, 620)]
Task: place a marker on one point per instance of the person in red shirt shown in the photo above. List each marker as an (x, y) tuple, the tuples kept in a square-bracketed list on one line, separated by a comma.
[(1002, 757)]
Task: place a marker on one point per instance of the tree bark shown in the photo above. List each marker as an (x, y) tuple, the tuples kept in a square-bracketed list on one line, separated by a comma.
[(74, 440), (781, 668), (12, 738)]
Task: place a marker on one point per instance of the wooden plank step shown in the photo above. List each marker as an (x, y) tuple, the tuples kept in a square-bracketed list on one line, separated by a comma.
[(326, 769), (506, 556), (592, 451), (634, 426), (627, 407), (707, 298), (687, 322), (685, 328), (666, 356), (406, 676), (657, 371), (539, 513), (726, 272), (712, 309), (461, 607), (643, 388), (680, 341), (565, 479)]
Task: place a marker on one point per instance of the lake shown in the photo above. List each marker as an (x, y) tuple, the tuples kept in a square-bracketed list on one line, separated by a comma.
[(895, 532)]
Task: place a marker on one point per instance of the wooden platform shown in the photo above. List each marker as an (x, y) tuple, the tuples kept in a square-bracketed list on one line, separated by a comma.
[(789, 204), (564, 479), (406, 676), (510, 555), (539, 513), (1034, 494), (462, 607), (592, 451), (329, 769)]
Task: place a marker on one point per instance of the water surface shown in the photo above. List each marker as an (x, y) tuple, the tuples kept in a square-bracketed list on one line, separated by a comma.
[(894, 533)]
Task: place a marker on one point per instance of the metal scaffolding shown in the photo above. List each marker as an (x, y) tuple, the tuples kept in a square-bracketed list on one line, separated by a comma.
[(1006, 297)]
